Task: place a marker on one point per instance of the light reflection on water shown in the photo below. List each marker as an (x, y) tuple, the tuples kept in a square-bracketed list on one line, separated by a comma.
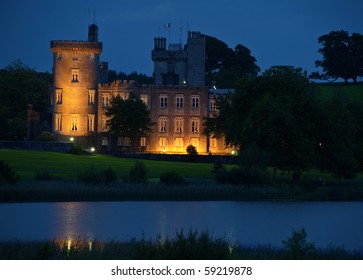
[(339, 223)]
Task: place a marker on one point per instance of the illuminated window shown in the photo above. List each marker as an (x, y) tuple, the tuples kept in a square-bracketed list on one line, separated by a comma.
[(104, 126), (91, 122), (195, 125), (179, 124), (105, 100), (163, 141), (194, 142), (178, 142), (144, 99), (104, 141), (58, 122), (143, 141), (195, 101), (91, 97), (163, 122), (163, 101), (179, 102), (59, 96), (213, 142), (74, 122), (75, 75), (213, 105)]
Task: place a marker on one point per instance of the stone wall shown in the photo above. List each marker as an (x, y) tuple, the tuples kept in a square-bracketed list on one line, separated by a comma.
[(61, 147)]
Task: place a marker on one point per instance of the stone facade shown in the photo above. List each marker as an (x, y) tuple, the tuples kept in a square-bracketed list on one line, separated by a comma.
[(178, 101)]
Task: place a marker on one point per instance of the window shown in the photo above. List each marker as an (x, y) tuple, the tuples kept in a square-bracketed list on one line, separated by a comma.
[(58, 122), (179, 124), (75, 75), (91, 122), (163, 101), (59, 56), (195, 101), (74, 122), (163, 141), (179, 102), (194, 142), (104, 126), (195, 125), (144, 99), (178, 142), (143, 141), (105, 100), (163, 122), (213, 105), (104, 141), (75, 56), (124, 141), (91, 97), (59, 96), (213, 142), (91, 56)]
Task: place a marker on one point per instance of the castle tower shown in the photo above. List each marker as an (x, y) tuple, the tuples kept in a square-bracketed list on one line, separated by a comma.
[(177, 65), (75, 88), (196, 59)]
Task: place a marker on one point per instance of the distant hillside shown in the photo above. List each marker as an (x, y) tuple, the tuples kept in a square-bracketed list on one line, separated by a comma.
[(347, 93)]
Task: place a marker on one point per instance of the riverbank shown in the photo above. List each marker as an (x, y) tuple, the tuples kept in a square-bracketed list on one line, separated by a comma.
[(193, 190), (193, 245)]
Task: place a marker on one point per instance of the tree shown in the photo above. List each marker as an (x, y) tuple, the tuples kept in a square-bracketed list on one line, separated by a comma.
[(276, 113), (129, 118), (20, 85), (342, 56), (337, 140), (224, 66)]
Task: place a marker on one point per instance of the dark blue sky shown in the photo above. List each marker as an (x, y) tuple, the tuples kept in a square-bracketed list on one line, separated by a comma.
[(279, 32)]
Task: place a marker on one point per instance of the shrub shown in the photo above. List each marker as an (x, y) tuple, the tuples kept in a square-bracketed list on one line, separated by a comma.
[(297, 246), (7, 174), (192, 151), (138, 174), (109, 175), (93, 177), (171, 178), (77, 149), (45, 136)]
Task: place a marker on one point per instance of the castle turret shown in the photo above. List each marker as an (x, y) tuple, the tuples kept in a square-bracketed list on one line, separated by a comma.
[(93, 33), (75, 82)]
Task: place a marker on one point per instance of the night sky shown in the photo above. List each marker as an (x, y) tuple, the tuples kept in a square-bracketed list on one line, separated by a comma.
[(279, 32)]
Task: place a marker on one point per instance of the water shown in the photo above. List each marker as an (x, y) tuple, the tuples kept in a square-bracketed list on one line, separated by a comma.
[(251, 223)]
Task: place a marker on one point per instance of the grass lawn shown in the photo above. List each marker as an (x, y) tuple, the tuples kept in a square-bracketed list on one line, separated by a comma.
[(345, 93), (67, 166)]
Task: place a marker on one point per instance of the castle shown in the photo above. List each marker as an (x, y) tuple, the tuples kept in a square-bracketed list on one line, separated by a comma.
[(178, 100)]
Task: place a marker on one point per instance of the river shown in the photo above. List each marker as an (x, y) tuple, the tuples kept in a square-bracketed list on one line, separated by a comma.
[(250, 223)]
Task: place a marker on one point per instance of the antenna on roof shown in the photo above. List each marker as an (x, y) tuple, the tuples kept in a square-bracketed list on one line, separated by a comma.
[(181, 31), (94, 16)]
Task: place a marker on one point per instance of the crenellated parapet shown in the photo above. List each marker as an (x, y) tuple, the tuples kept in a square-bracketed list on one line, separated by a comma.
[(67, 45)]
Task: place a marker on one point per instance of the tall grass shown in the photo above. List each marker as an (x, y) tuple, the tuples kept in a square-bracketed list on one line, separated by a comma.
[(192, 245)]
